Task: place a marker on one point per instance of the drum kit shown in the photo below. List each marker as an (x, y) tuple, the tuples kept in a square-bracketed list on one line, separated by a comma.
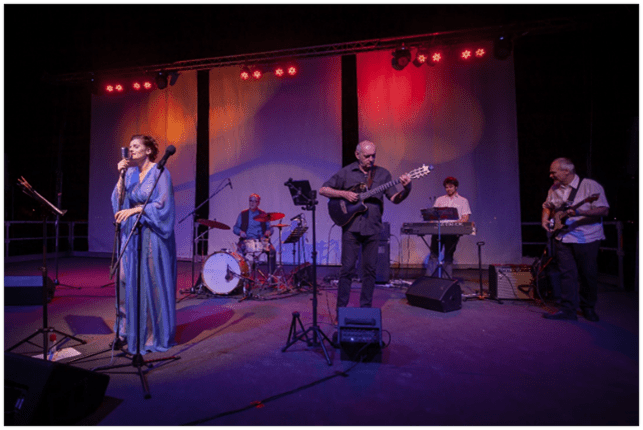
[(225, 272)]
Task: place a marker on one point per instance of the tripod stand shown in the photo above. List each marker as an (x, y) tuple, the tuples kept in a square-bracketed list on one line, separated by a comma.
[(46, 331), (137, 358), (440, 214), (318, 336)]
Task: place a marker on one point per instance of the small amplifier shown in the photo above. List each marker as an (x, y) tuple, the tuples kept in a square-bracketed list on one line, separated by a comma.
[(510, 281)]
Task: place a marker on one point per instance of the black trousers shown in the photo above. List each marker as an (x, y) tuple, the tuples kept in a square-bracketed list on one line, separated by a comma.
[(578, 274), (352, 243), (449, 241)]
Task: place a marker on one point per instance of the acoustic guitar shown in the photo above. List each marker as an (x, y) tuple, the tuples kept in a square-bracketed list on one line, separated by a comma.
[(342, 211)]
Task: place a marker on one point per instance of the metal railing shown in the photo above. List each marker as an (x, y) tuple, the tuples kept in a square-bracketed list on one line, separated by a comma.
[(70, 227)]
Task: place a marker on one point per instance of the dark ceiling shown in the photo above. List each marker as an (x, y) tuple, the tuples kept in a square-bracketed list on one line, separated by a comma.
[(72, 38)]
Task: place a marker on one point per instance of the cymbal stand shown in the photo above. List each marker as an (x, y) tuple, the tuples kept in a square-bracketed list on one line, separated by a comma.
[(279, 275), (194, 215), (318, 336), (197, 288)]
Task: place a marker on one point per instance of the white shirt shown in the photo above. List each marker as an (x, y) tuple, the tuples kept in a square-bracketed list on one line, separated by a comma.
[(580, 229), (455, 201)]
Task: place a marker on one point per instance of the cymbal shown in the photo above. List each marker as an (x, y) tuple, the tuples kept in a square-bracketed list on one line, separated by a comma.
[(280, 225), (213, 224), (268, 217)]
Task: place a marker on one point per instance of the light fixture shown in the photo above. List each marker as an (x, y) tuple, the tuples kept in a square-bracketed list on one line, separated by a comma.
[(421, 56), (401, 58), (502, 46), (161, 80)]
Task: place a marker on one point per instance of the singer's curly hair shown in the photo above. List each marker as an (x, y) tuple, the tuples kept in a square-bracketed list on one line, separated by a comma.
[(149, 142)]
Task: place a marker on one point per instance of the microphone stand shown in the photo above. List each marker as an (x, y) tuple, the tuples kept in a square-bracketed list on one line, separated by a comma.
[(59, 193), (195, 234), (46, 331), (137, 358), (318, 336)]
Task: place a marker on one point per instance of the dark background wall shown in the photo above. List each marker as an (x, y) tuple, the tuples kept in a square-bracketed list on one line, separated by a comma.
[(576, 90)]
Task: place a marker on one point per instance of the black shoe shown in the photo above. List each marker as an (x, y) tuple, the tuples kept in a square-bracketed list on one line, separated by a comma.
[(590, 314), (561, 315)]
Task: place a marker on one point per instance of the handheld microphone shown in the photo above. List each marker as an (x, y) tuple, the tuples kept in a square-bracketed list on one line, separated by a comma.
[(169, 151), (230, 182), (296, 216), (124, 155)]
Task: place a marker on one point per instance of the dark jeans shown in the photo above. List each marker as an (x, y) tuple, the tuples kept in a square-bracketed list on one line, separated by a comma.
[(449, 241), (351, 245), (578, 274)]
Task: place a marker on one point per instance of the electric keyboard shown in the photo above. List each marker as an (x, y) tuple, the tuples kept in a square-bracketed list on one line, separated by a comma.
[(424, 228)]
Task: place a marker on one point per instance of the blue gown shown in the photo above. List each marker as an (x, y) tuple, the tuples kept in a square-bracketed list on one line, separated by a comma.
[(158, 270)]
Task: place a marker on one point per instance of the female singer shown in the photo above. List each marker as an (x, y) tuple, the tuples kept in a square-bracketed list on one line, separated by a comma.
[(158, 254)]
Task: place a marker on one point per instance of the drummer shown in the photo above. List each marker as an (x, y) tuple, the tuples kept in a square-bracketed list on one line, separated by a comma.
[(248, 229)]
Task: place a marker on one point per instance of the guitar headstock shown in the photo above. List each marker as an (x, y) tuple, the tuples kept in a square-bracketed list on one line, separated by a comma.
[(420, 171)]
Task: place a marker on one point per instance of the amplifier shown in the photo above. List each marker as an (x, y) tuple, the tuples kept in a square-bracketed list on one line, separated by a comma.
[(510, 281)]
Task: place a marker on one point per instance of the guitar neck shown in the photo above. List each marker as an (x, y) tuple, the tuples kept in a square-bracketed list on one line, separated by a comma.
[(371, 193)]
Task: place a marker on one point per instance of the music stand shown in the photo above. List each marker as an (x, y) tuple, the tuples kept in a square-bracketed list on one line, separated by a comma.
[(440, 214), (300, 192), (47, 208)]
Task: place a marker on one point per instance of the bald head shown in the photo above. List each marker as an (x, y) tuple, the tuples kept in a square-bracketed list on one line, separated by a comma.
[(365, 153)]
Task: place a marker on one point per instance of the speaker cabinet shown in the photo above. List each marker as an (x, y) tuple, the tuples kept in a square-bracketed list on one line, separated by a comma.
[(360, 333), (39, 392), (303, 274), (510, 281), (436, 294), (26, 290), (383, 266)]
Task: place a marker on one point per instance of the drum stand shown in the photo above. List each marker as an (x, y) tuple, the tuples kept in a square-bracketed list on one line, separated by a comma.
[(278, 276)]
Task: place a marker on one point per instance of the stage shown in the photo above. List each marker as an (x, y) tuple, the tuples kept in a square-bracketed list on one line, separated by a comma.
[(488, 363)]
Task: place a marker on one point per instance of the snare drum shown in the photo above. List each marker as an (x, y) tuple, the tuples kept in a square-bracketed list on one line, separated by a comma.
[(222, 270), (255, 246)]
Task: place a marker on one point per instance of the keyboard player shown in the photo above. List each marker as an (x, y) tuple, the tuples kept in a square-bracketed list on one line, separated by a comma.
[(449, 241)]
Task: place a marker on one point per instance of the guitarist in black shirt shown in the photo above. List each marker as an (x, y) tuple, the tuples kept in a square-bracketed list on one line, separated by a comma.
[(362, 229)]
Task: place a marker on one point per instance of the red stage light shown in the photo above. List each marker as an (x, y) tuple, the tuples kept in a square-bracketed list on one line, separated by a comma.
[(109, 88), (466, 54), (480, 52), (119, 88), (279, 71), (136, 86), (436, 57), (147, 85), (292, 70), (257, 74), (245, 73)]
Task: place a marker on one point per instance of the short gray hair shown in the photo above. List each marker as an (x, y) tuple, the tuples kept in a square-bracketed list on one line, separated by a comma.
[(566, 164), (362, 144)]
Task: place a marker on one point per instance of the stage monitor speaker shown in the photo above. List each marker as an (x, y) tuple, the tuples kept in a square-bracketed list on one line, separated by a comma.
[(510, 281), (39, 392), (436, 294), (26, 290), (383, 267), (360, 333)]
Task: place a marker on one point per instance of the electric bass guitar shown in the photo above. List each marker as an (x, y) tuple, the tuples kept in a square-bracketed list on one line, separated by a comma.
[(560, 215), (342, 211)]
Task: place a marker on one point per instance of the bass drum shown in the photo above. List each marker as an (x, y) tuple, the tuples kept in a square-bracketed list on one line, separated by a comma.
[(222, 271)]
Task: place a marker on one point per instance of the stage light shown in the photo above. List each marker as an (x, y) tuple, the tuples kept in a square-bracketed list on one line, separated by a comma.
[(502, 46), (435, 57), (161, 80), (257, 73), (292, 70), (421, 57), (466, 54), (174, 76), (480, 53), (245, 73), (401, 58), (279, 71), (109, 88)]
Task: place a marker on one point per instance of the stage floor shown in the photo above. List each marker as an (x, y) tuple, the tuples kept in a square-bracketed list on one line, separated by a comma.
[(485, 364)]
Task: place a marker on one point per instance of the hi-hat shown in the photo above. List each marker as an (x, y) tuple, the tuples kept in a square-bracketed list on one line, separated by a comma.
[(213, 224), (280, 225), (269, 216)]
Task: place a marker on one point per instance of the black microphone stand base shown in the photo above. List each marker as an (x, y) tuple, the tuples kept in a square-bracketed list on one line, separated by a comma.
[(312, 341), (46, 331)]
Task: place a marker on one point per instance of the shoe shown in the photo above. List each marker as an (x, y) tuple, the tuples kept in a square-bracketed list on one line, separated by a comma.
[(590, 314), (561, 315)]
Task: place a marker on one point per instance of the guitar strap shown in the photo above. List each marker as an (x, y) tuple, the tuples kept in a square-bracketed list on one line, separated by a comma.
[(369, 180), (572, 195)]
